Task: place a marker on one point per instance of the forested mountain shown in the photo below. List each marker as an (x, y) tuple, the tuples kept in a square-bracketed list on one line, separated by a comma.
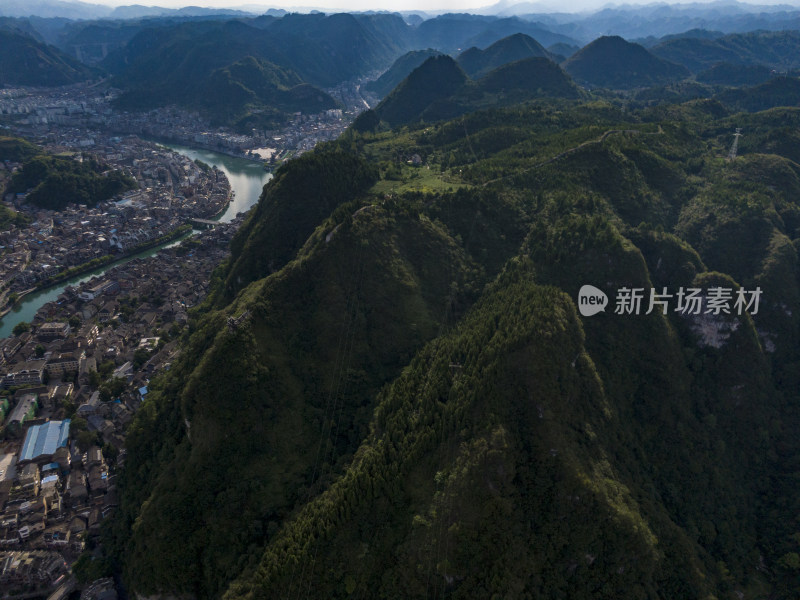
[(776, 49), (22, 26), (53, 182), (439, 89), (436, 80), (322, 50), (26, 61), (735, 74), (778, 91), (477, 62), (249, 91), (200, 64), (400, 69), (612, 62), (453, 33), (411, 403)]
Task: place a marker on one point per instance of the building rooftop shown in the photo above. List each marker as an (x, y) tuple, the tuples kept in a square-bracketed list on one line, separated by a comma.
[(45, 439)]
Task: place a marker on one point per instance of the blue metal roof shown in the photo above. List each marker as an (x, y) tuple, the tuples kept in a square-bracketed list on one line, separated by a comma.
[(45, 439)]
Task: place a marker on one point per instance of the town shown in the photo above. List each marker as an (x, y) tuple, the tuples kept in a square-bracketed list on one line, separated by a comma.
[(73, 377), (87, 107), (171, 190)]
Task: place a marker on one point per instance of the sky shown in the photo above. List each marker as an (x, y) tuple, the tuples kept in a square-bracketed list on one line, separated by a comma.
[(405, 5)]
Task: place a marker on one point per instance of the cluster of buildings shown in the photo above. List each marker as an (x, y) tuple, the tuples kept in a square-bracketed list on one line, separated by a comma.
[(63, 424), (172, 189), (71, 384), (36, 571), (304, 131), (89, 108), (72, 104)]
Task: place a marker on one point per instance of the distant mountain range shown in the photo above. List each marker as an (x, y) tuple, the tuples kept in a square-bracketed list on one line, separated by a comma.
[(477, 62), (540, 21), (612, 62), (85, 10), (232, 65), (440, 89), (26, 61), (779, 50), (400, 69), (660, 19)]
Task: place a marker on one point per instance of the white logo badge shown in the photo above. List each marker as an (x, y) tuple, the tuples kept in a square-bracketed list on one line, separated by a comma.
[(591, 300)]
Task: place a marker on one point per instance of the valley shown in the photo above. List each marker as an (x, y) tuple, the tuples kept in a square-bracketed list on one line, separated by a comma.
[(378, 372)]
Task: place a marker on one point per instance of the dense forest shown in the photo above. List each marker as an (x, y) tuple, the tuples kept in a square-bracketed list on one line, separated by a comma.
[(26, 61), (54, 181), (412, 405)]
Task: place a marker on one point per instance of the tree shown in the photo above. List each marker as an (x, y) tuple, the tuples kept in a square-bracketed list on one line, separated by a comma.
[(21, 328), (113, 388), (140, 357), (39, 350), (105, 368), (110, 453), (790, 561), (87, 568), (94, 379), (85, 440), (69, 408)]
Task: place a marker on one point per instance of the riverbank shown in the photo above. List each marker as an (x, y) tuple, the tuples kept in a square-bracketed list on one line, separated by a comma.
[(246, 178), (109, 260), (167, 142)]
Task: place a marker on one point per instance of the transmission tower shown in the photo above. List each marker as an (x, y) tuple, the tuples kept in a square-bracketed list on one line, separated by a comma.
[(735, 146)]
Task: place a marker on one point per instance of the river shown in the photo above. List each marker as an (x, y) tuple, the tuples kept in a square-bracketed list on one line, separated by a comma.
[(247, 178)]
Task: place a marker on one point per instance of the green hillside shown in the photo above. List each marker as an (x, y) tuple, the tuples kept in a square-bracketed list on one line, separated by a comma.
[(477, 62), (410, 404), (234, 93), (322, 50), (25, 61), (16, 149), (612, 62), (735, 75), (439, 90), (217, 68), (52, 182), (400, 69), (438, 78), (778, 91), (535, 77), (775, 49)]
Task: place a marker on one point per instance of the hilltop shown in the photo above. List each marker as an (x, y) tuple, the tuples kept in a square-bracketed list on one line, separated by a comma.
[(439, 89), (612, 62), (437, 79), (277, 65), (400, 69), (477, 62)]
